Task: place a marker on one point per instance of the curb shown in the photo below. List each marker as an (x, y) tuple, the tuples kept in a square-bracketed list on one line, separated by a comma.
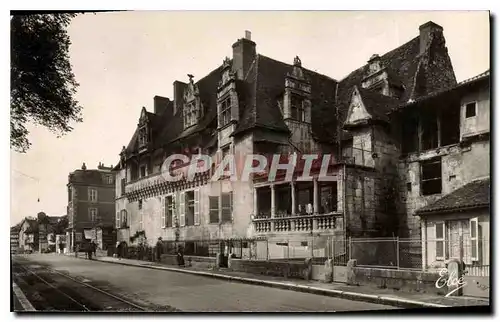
[(297, 287)]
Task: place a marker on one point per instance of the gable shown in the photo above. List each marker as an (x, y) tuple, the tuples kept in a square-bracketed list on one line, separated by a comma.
[(357, 111)]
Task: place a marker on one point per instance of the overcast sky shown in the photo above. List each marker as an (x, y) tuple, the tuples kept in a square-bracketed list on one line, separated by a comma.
[(122, 60)]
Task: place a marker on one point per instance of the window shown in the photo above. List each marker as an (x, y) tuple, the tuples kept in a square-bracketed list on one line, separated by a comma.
[(118, 220), (408, 186), (143, 136), (297, 108), (227, 207), (430, 135), (124, 219), (474, 232), (167, 213), (440, 240), (108, 179), (470, 110), (225, 111), (93, 214), (190, 114), (213, 202), (328, 197), (122, 182), (431, 177), (92, 195), (140, 204), (189, 208), (143, 171)]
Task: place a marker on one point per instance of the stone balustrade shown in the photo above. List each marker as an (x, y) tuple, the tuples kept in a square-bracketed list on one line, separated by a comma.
[(299, 223)]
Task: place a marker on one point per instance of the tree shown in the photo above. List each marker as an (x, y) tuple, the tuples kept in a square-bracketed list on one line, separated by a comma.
[(42, 82)]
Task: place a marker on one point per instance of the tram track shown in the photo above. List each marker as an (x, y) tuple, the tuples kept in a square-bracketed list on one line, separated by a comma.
[(51, 290)]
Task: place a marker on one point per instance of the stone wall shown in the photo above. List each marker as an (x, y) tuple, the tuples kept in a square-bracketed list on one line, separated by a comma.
[(294, 270), (401, 280), (460, 165), (190, 261)]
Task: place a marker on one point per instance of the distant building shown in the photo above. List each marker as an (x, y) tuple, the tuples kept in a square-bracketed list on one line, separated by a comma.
[(91, 204), (14, 239), (48, 227), (28, 235)]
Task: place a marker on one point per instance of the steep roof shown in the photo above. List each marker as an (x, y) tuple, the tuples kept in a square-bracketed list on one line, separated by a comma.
[(417, 74), (266, 84), (475, 194), (376, 104)]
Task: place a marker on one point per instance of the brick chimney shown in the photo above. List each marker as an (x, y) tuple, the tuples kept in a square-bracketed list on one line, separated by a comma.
[(426, 32), (178, 95), (243, 54), (160, 104)]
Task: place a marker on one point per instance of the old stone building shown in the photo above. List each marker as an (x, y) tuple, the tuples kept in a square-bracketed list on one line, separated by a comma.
[(91, 204), (252, 104)]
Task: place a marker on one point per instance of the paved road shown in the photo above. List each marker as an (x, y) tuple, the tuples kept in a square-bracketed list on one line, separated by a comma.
[(187, 292)]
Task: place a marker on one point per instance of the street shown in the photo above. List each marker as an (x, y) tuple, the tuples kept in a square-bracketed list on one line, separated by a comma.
[(165, 291)]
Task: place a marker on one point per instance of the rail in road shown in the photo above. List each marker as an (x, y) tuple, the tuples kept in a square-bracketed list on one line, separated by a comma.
[(50, 290)]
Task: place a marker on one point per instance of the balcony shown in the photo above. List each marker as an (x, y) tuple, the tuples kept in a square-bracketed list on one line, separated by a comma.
[(144, 183), (299, 223)]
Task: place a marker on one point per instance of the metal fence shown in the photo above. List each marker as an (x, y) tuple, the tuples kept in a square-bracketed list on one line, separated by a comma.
[(317, 247), (239, 248), (415, 254), (399, 253)]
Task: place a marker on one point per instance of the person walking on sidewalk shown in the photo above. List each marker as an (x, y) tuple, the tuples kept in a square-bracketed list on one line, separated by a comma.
[(180, 256), (93, 247), (159, 248), (118, 250)]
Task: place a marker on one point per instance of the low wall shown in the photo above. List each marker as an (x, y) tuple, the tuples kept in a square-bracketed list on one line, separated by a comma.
[(404, 280), (190, 261), (297, 270)]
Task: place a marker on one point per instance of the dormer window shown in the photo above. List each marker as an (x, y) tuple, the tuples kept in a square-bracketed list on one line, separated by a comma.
[(143, 136), (297, 108), (374, 64), (190, 114), (225, 112)]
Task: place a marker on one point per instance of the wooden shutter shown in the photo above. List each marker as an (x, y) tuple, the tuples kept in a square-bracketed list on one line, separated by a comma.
[(164, 208), (231, 205), (196, 206), (182, 209), (118, 220), (474, 239), (175, 211), (440, 233)]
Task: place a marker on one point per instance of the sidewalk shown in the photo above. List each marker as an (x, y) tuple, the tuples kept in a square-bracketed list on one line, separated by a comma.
[(358, 293)]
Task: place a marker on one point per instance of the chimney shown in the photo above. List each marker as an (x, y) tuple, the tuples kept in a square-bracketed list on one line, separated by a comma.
[(426, 32), (178, 95), (243, 54), (160, 104)]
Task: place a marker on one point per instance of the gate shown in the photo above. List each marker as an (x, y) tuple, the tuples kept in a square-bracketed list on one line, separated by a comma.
[(338, 253), (475, 255)]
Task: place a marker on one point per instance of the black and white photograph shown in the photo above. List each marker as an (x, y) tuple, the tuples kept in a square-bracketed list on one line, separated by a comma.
[(250, 161)]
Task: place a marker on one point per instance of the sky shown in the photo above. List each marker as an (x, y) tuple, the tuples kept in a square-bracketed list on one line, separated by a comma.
[(123, 59)]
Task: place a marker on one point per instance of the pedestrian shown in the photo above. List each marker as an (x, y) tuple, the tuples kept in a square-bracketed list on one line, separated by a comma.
[(119, 250), (180, 256), (159, 248), (89, 250), (76, 248), (94, 248), (61, 247)]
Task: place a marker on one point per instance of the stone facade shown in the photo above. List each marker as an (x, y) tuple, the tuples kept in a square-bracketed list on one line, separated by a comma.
[(91, 201), (254, 104)]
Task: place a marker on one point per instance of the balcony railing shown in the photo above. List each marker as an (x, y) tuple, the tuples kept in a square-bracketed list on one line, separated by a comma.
[(299, 223), (144, 182)]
